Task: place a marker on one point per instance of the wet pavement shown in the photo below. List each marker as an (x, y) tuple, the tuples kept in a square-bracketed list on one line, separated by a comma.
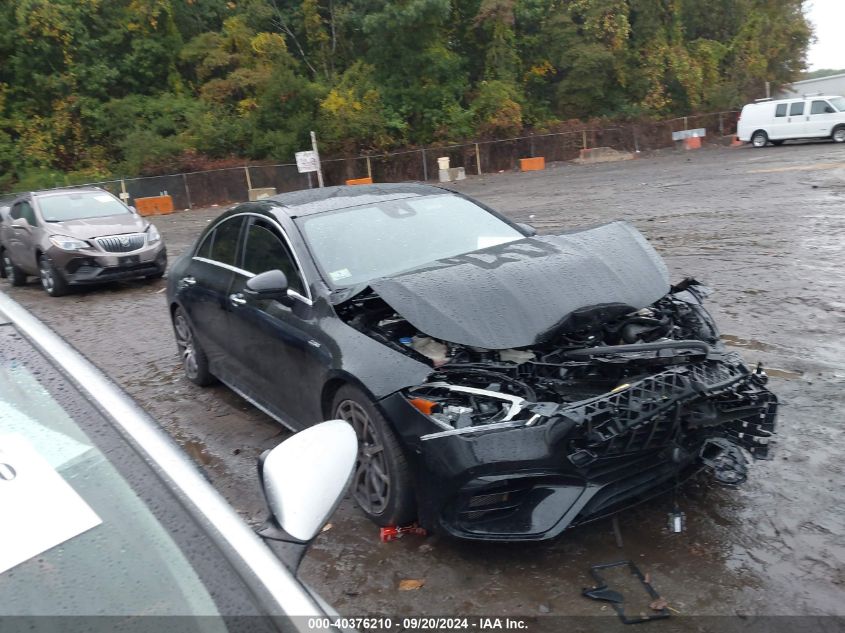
[(764, 228)]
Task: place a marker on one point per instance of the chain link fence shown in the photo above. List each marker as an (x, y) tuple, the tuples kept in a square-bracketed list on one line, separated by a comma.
[(229, 185)]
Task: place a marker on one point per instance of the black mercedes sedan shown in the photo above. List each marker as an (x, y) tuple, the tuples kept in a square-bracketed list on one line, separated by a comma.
[(503, 385)]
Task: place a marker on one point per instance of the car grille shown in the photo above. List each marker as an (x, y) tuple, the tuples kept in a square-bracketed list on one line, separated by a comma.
[(121, 243)]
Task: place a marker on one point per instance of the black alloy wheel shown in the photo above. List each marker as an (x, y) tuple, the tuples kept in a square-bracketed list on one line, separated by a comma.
[(194, 360), (381, 484)]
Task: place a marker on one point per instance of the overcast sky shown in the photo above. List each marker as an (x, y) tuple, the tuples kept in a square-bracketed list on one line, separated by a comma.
[(828, 17)]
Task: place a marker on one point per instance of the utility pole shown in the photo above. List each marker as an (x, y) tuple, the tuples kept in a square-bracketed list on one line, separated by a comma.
[(317, 154)]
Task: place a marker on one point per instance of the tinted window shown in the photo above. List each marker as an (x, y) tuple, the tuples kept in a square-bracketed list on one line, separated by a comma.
[(24, 210), (224, 245), (205, 248), (820, 107), (796, 108), (781, 110), (265, 251)]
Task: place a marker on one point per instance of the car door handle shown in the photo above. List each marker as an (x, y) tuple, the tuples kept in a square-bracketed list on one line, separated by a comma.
[(237, 299), (187, 282)]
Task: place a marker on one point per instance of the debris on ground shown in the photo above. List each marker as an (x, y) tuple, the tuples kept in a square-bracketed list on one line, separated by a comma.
[(393, 532), (601, 591), (410, 584)]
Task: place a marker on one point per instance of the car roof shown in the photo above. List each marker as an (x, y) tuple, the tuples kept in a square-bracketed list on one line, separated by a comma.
[(311, 201), (66, 190)]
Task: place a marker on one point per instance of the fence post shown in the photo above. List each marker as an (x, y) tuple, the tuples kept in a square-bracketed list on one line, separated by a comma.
[(187, 191), (686, 127), (369, 169), (583, 139), (425, 167), (477, 159), (721, 126), (248, 180)]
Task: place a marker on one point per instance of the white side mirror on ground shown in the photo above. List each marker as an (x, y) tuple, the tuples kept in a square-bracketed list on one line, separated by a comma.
[(304, 479)]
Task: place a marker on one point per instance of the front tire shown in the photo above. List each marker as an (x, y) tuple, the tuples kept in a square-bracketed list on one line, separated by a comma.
[(759, 138), (51, 279), (382, 482), (15, 275), (838, 135), (194, 360)]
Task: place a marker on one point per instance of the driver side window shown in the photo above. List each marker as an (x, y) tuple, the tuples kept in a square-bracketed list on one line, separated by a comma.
[(265, 250), (24, 210)]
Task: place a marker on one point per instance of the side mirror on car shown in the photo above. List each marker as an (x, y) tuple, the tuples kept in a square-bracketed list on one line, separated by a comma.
[(303, 479), (272, 284), (529, 230)]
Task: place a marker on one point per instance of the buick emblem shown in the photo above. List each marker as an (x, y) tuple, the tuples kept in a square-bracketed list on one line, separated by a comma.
[(124, 241)]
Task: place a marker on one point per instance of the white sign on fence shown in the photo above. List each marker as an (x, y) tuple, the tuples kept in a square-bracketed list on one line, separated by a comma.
[(307, 162)]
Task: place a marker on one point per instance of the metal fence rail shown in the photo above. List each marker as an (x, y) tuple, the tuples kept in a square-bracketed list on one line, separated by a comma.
[(228, 185)]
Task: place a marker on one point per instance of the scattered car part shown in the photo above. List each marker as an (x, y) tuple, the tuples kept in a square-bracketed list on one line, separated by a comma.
[(602, 592)]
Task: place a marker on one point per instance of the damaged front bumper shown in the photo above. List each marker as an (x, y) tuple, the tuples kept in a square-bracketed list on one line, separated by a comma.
[(546, 466)]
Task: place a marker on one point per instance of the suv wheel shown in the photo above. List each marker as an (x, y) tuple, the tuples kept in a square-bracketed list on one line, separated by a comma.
[(51, 279), (839, 134), (381, 484), (759, 139), (15, 275)]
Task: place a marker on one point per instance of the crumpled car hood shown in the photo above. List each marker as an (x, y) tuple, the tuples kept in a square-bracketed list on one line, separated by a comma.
[(519, 293)]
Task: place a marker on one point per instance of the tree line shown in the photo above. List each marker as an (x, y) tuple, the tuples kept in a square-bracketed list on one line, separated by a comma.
[(94, 88)]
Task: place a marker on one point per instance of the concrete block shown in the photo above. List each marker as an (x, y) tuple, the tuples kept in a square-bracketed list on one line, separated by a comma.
[(261, 193)]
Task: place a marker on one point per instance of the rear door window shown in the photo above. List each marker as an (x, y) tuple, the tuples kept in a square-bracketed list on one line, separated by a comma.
[(221, 245), (780, 110), (796, 108)]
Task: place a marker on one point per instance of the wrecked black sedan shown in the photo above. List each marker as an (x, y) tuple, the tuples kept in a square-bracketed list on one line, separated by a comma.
[(503, 385)]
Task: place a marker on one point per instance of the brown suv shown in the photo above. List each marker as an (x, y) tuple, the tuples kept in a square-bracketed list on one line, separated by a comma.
[(77, 236)]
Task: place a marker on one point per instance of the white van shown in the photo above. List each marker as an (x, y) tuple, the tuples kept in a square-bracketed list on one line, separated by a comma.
[(799, 117)]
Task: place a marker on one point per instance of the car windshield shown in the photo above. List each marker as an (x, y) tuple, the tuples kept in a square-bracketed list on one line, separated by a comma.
[(79, 205), (82, 535), (355, 245), (838, 103)]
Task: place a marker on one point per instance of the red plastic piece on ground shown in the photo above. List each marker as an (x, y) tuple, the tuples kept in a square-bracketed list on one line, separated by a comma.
[(393, 532)]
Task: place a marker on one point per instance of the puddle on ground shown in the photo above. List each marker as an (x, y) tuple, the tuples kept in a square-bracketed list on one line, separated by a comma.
[(197, 451), (735, 341), (786, 374)]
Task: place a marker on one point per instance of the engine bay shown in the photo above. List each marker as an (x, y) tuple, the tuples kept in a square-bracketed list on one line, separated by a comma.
[(593, 351)]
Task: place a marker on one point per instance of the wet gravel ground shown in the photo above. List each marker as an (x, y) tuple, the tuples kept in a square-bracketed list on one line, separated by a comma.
[(764, 228)]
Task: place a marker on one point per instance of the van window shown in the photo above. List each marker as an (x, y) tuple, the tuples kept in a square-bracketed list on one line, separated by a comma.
[(797, 108), (820, 107), (781, 110)]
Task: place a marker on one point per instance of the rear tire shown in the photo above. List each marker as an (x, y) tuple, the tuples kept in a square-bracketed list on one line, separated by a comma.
[(51, 279), (838, 135), (381, 484), (194, 360), (15, 275), (759, 138)]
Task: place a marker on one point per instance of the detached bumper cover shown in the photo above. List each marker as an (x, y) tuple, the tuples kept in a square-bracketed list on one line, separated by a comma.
[(586, 459)]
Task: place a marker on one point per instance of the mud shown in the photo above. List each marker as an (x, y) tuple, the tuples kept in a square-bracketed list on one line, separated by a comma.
[(764, 228)]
